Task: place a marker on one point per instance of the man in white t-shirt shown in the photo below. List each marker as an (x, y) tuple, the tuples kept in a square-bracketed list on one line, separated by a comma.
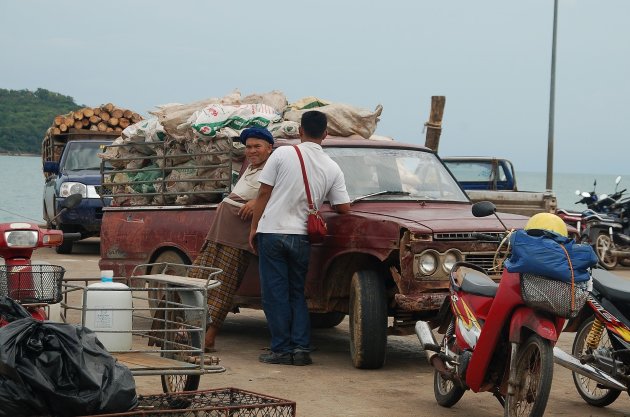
[(279, 234)]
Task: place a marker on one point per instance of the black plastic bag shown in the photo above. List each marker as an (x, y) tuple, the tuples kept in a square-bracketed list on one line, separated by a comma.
[(11, 310), (17, 399), (63, 368)]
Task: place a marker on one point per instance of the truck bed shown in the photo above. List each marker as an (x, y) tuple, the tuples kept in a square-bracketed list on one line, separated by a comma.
[(526, 203)]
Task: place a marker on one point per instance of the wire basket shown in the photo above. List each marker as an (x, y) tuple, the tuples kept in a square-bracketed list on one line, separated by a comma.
[(553, 296), (32, 284), (231, 402)]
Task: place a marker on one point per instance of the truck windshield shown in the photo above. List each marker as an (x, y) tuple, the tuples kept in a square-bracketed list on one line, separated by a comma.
[(83, 156), (399, 174)]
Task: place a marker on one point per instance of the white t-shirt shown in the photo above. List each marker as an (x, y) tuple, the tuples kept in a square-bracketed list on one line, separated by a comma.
[(246, 187), (287, 209)]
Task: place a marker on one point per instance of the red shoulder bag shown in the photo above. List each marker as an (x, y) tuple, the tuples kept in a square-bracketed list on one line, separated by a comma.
[(315, 223)]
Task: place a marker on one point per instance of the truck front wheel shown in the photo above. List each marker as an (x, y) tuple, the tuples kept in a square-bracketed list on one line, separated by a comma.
[(368, 320)]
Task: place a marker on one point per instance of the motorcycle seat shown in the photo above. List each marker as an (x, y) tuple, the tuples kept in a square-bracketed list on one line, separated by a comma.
[(474, 281), (611, 286), (576, 214)]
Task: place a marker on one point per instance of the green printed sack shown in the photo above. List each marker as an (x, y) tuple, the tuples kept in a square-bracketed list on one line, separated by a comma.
[(208, 121)]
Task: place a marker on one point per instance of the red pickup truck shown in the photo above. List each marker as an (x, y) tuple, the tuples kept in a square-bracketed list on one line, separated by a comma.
[(390, 256)]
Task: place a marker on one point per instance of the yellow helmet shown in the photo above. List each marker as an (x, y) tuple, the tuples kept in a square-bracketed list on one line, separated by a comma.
[(547, 221)]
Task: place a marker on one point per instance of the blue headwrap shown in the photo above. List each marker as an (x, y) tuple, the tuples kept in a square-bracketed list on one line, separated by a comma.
[(256, 132)]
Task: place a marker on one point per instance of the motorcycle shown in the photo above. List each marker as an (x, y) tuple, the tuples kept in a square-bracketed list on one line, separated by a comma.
[(600, 359), (596, 205), (603, 202), (33, 285), (610, 235), (494, 340)]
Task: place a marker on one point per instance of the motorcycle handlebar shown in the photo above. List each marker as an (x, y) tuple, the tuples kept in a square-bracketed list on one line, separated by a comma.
[(71, 236)]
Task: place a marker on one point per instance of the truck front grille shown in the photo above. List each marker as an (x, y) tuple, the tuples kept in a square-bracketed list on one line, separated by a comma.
[(483, 260), (463, 235)]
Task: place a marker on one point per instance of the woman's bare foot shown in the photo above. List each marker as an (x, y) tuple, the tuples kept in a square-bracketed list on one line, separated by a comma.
[(211, 334)]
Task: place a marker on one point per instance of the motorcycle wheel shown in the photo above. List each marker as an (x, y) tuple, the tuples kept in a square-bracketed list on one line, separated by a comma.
[(588, 389), (534, 372), (447, 393), (603, 245)]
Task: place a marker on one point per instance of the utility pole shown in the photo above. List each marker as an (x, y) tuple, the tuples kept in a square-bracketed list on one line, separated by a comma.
[(434, 125), (552, 99)]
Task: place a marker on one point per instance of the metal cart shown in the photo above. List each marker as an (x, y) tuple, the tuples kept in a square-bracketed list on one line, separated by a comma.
[(170, 316)]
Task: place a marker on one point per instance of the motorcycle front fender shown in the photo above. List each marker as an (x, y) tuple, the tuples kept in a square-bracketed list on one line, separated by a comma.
[(525, 320), (595, 230)]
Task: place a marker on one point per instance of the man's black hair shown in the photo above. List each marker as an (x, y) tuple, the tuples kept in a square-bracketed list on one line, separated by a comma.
[(314, 124)]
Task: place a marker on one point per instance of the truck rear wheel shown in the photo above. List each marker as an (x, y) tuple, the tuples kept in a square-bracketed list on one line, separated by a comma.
[(368, 320), (169, 256)]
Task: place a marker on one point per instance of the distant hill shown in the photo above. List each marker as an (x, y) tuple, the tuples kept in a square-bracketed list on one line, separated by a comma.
[(25, 115)]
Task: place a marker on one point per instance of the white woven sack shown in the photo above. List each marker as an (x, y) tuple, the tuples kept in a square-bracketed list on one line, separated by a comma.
[(344, 120)]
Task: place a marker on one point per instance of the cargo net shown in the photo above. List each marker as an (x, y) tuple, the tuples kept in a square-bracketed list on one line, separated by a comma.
[(553, 296), (32, 284), (231, 402)]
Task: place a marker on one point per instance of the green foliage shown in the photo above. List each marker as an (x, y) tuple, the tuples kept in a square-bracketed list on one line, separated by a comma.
[(25, 115)]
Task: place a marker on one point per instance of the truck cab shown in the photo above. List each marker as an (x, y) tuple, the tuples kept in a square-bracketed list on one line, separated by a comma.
[(77, 172), (482, 173)]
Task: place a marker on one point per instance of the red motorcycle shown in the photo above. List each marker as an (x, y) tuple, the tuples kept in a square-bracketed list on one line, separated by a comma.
[(495, 338), (33, 285)]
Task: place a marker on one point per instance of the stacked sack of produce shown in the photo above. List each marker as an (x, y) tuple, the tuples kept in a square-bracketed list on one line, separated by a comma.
[(186, 153)]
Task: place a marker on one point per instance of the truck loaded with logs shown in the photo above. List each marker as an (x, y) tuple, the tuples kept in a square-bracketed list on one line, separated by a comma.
[(71, 166)]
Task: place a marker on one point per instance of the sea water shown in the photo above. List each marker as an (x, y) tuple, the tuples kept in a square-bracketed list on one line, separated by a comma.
[(22, 187)]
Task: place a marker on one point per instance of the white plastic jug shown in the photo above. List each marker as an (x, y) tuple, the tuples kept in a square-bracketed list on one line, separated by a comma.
[(101, 316)]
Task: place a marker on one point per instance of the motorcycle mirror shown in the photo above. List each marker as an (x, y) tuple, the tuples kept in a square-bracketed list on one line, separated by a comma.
[(72, 201), (577, 192), (483, 209), (69, 202), (585, 194), (603, 196), (618, 179)]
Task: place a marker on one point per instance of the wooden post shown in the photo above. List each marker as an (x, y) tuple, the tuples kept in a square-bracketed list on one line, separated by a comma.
[(434, 125)]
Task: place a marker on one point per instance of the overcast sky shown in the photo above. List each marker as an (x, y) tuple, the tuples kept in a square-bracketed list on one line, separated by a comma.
[(491, 59)]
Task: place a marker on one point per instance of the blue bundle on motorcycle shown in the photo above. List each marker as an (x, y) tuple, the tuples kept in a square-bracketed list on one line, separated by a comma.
[(550, 255)]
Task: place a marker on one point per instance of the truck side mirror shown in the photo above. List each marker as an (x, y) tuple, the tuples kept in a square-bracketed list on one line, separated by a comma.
[(51, 167)]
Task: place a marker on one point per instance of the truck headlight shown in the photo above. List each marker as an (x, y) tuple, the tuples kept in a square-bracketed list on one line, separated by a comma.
[(21, 238), (69, 188), (426, 263), (450, 258)]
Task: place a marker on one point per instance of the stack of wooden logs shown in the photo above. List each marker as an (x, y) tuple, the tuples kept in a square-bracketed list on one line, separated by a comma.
[(106, 118)]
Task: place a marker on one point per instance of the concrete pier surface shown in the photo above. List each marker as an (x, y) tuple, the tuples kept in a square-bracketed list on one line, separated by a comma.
[(332, 386)]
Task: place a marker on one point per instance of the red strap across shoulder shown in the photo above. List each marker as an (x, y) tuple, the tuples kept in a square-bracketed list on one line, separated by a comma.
[(306, 186)]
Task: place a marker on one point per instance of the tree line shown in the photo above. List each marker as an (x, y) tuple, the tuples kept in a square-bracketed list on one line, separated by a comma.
[(26, 115)]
